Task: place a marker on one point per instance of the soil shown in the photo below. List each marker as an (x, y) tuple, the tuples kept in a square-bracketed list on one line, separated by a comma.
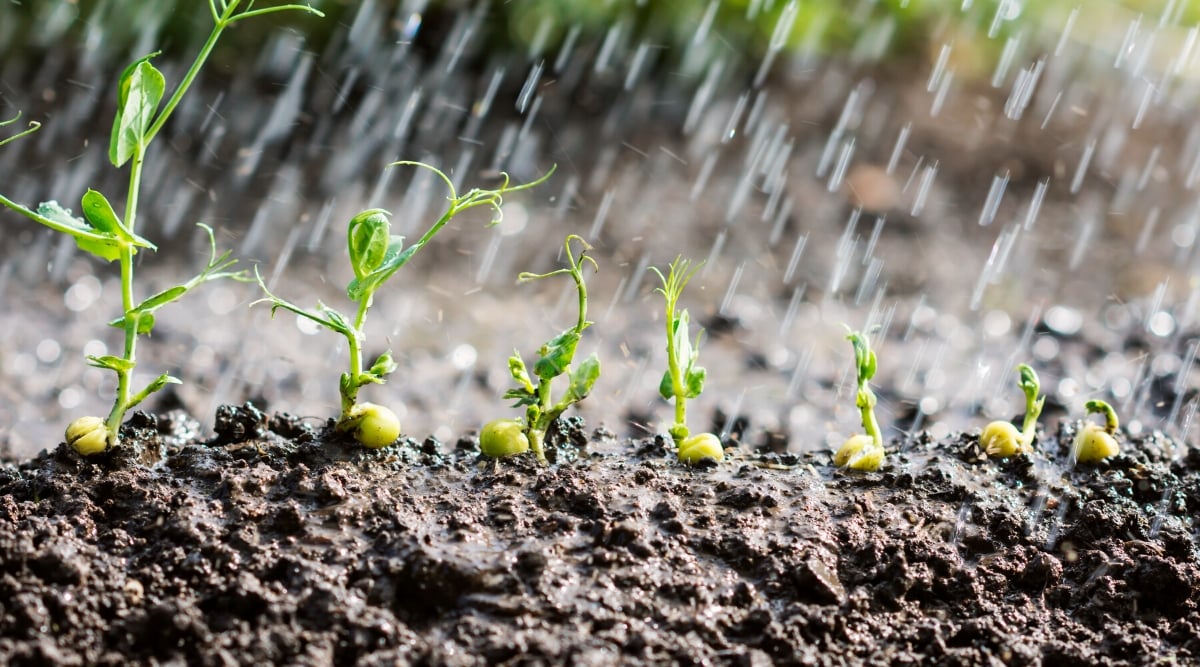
[(276, 543)]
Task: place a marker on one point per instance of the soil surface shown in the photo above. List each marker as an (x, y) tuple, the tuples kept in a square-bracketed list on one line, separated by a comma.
[(274, 543)]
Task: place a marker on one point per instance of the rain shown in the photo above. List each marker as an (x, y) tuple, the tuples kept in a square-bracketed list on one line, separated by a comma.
[(989, 182)]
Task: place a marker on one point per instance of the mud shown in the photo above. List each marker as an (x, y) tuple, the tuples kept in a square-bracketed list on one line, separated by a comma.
[(275, 543)]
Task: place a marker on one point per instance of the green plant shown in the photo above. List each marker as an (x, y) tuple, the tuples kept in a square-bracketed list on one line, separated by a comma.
[(863, 451), (683, 379), (375, 255), (1094, 443), (1001, 438), (102, 233), (507, 437), (34, 126)]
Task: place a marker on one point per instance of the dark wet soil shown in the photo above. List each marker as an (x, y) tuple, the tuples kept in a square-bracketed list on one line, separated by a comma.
[(274, 544)]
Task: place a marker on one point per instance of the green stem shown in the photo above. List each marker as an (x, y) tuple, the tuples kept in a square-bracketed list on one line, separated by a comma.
[(355, 338), (1111, 423), (193, 71), (536, 438), (866, 407), (122, 401)]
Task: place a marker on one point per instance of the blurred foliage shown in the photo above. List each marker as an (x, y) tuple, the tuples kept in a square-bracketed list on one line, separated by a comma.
[(745, 30)]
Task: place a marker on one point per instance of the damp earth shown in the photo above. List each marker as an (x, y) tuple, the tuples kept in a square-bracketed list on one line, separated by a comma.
[(276, 543), (981, 184)]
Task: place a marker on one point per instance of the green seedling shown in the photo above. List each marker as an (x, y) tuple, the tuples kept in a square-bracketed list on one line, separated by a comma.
[(863, 451), (376, 255), (508, 437), (141, 114), (1001, 438), (683, 379), (1094, 443)]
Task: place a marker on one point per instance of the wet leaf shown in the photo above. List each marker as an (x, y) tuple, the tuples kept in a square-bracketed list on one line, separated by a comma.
[(583, 378), (557, 355), (100, 214), (367, 240), (383, 366), (397, 256), (694, 381), (666, 388), (141, 89), (110, 362)]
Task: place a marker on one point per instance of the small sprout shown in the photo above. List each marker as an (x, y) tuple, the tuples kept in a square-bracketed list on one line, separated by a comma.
[(88, 435), (863, 452), (372, 425), (1094, 443), (1001, 438), (683, 379), (375, 256), (500, 438)]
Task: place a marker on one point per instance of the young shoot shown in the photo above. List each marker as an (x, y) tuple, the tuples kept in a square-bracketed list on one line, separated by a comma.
[(376, 255), (34, 126), (1094, 443), (863, 451), (683, 379), (1001, 438), (141, 114), (508, 437)]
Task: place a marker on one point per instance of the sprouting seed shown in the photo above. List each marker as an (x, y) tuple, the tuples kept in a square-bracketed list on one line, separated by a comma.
[(1001, 438), (863, 451), (375, 256), (683, 379), (1093, 442), (508, 437)]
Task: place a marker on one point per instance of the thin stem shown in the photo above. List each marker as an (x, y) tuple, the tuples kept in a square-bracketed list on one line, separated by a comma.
[(866, 406), (188, 78), (1111, 423), (122, 401), (355, 339)]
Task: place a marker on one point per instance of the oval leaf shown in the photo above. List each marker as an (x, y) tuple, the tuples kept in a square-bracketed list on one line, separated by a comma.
[(583, 378), (557, 355), (695, 381), (100, 214), (112, 363), (367, 240), (666, 388), (141, 89)]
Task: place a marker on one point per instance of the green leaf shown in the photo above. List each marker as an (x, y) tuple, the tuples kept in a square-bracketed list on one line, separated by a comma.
[(683, 345), (100, 214), (106, 249), (396, 257), (557, 355), (516, 368), (160, 382), (335, 318), (666, 388), (112, 363), (694, 379), (522, 397), (141, 88), (161, 299), (368, 240), (145, 321), (583, 378), (383, 366)]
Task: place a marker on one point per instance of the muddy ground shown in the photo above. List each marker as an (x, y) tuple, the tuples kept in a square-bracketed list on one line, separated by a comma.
[(274, 544)]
